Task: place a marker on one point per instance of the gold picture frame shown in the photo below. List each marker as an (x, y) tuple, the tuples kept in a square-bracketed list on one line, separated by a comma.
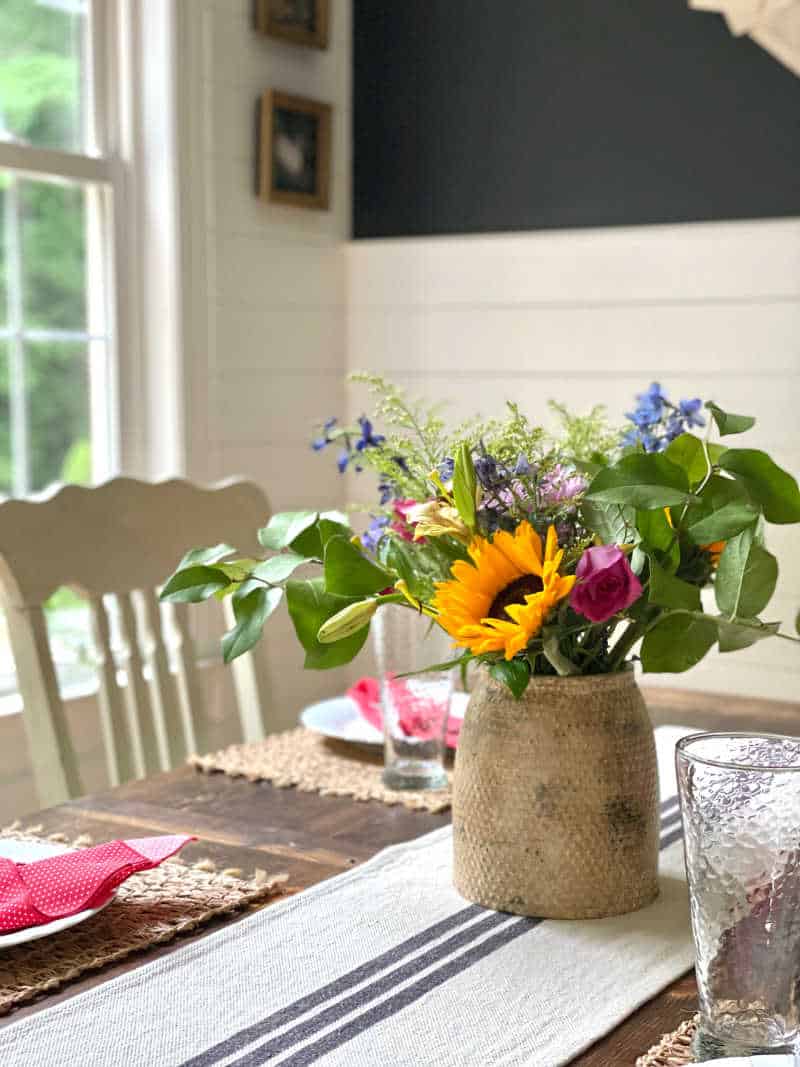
[(294, 152), (304, 22)]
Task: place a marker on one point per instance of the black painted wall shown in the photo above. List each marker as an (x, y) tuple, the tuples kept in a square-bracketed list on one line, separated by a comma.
[(489, 115)]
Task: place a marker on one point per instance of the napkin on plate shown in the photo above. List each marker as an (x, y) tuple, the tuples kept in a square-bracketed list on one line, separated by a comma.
[(367, 695), (35, 893)]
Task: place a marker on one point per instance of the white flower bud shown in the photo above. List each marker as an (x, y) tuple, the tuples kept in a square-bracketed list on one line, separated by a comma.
[(347, 621)]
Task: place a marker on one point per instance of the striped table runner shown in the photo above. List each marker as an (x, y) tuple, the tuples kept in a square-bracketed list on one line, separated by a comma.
[(385, 964)]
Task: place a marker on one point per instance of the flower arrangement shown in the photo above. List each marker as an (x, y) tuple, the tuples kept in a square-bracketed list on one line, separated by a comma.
[(538, 554)]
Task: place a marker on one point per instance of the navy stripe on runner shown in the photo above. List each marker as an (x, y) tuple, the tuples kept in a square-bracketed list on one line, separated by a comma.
[(670, 829), (333, 989), (671, 837), (400, 1000), (385, 984)]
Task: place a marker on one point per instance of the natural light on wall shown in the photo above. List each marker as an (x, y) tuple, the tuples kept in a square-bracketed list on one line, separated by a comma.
[(57, 412)]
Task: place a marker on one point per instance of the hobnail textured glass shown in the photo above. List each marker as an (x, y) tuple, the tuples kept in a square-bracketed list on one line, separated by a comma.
[(740, 800)]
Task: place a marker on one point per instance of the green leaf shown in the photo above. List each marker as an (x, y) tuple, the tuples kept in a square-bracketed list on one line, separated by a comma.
[(723, 524), (284, 528), (311, 542), (734, 635), (667, 591), (414, 567), (554, 656), (590, 467), (349, 573), (513, 673), (194, 584), (720, 489), (278, 568), (252, 606), (773, 488), (676, 643), (464, 483), (199, 556), (642, 481), (309, 607), (727, 423), (687, 452), (238, 569), (659, 538), (613, 523), (746, 578)]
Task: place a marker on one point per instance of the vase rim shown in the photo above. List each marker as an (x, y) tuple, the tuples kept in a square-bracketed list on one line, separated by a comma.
[(625, 675)]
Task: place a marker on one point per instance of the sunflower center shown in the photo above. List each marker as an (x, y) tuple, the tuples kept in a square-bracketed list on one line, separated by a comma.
[(515, 594)]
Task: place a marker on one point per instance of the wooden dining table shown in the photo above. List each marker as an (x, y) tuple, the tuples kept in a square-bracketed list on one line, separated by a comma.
[(249, 826)]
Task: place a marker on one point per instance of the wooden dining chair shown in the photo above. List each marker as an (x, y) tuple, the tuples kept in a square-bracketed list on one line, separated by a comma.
[(115, 545)]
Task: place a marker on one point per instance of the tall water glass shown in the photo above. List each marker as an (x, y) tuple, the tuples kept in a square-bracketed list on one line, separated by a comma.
[(740, 801), (415, 709)]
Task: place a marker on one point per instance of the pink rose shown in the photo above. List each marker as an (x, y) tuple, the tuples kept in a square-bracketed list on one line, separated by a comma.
[(606, 584)]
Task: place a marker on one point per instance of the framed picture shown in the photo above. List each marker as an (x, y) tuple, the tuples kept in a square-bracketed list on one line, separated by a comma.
[(295, 150), (299, 21)]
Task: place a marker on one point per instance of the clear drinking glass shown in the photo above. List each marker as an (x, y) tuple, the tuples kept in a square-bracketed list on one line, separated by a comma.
[(740, 801), (415, 709)]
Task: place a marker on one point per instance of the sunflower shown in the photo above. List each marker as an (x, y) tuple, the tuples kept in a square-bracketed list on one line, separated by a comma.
[(714, 548), (499, 602)]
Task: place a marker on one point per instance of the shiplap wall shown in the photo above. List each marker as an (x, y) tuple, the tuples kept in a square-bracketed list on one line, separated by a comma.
[(592, 316), (264, 285)]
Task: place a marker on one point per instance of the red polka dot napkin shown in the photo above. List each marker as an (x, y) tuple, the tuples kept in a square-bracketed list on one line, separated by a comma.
[(47, 889)]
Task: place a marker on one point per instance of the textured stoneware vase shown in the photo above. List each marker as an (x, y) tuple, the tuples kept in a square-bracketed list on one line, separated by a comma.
[(555, 798)]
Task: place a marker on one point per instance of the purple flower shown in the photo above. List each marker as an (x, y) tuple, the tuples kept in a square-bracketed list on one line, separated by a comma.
[(342, 460), (606, 584), (561, 485), (522, 467)]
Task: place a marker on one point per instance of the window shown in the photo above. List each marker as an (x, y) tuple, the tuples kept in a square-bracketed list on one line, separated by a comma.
[(58, 421), (56, 200)]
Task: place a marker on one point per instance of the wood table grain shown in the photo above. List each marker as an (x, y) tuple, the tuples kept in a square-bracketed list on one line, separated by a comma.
[(253, 825)]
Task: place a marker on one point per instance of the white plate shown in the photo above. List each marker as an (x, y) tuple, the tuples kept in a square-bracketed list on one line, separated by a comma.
[(26, 852), (340, 718)]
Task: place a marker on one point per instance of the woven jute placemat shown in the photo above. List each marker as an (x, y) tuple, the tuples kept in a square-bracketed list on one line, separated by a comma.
[(151, 908), (673, 1050), (313, 764)]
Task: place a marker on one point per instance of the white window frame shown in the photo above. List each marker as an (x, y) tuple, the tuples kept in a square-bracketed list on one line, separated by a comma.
[(97, 170), (130, 169)]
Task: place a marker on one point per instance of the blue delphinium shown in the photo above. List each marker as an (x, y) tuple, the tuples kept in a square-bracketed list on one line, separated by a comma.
[(370, 538), (490, 473), (446, 468), (657, 421), (366, 439), (689, 411), (320, 442)]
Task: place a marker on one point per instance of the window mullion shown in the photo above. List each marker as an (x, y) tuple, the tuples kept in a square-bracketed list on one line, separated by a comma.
[(18, 400)]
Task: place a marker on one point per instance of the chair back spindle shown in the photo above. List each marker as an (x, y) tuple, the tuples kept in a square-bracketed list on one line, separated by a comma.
[(114, 545)]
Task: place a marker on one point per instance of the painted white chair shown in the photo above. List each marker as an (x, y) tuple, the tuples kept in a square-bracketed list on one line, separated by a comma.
[(119, 542)]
